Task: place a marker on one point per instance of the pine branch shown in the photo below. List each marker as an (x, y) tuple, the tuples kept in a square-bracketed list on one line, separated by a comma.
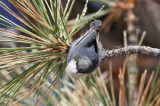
[(144, 50)]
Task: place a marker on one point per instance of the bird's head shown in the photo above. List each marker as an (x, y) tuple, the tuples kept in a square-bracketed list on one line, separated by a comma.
[(95, 24)]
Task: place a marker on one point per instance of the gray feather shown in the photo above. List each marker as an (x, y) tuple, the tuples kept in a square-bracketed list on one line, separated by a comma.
[(87, 50)]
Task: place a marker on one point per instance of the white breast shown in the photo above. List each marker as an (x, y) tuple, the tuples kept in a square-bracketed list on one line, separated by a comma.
[(72, 70)]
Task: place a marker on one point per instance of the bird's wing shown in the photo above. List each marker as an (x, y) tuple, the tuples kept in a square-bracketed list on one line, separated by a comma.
[(87, 39)]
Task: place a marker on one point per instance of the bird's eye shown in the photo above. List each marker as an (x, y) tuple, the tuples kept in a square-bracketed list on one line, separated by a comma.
[(80, 70), (92, 20), (98, 28)]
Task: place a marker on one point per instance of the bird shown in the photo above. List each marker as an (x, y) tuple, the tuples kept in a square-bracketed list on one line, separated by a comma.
[(86, 52)]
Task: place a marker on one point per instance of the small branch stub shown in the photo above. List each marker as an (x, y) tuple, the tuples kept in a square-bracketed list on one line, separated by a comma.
[(144, 50)]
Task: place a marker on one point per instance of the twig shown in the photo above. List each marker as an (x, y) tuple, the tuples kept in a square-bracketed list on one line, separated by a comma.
[(144, 50)]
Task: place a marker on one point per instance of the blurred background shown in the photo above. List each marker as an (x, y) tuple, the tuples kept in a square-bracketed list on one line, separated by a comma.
[(136, 17)]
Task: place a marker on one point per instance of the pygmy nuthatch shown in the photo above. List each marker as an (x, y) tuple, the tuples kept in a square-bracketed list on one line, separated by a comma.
[(86, 52)]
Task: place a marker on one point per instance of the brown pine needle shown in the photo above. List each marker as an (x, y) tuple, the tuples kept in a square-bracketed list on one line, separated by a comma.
[(50, 95), (157, 90), (18, 66), (47, 92), (146, 90), (101, 85), (29, 12), (23, 21), (11, 63), (26, 94), (32, 89), (111, 84), (141, 86), (87, 93), (19, 36), (158, 102), (122, 92), (102, 82), (12, 13), (13, 56), (81, 98), (21, 92), (20, 19)]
